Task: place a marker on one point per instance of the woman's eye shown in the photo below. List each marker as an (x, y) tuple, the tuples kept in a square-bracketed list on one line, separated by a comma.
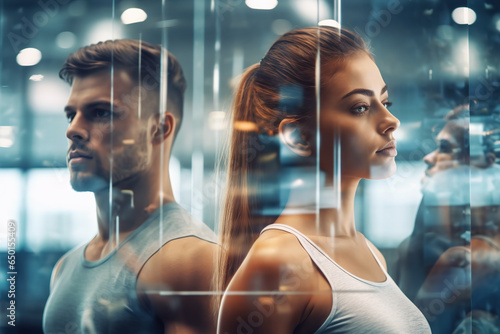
[(360, 109), (387, 104)]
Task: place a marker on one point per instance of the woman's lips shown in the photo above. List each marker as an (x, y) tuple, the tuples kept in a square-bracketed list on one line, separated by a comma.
[(390, 152), (389, 149)]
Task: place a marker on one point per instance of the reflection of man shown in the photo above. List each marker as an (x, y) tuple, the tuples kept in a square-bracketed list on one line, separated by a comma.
[(127, 279), (452, 141), (431, 261), (460, 204)]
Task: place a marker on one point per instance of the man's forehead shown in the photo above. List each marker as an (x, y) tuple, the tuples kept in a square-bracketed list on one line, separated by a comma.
[(102, 85), (119, 75)]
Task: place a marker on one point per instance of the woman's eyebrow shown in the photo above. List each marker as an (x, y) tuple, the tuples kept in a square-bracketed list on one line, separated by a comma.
[(366, 92)]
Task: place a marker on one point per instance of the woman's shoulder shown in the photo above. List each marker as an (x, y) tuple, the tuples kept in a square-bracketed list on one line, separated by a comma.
[(273, 256), (275, 247)]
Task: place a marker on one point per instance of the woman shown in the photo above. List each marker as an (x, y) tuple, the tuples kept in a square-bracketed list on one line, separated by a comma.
[(309, 272)]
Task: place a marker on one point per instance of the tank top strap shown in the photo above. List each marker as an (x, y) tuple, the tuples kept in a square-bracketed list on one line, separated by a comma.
[(307, 243), (316, 252), (324, 263), (488, 240), (377, 259)]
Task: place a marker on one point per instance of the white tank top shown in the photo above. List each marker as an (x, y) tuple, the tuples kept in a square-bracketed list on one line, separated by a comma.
[(358, 305)]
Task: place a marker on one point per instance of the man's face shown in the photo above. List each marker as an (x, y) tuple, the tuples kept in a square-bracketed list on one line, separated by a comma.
[(108, 142), (446, 156)]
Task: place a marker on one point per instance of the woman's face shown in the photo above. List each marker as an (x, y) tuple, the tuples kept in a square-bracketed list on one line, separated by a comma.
[(354, 113)]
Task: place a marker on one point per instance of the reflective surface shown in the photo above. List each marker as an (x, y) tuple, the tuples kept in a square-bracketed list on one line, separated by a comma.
[(435, 220)]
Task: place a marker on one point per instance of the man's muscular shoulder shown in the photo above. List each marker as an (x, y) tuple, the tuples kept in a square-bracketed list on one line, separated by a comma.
[(174, 283), (180, 264)]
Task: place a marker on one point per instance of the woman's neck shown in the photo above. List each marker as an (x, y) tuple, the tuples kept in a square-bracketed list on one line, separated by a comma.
[(327, 210)]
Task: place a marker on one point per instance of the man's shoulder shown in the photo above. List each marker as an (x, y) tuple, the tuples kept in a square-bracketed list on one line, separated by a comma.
[(181, 264), (179, 223)]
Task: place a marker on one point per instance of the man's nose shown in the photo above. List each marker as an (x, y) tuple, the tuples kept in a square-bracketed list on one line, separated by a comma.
[(78, 129), (430, 159)]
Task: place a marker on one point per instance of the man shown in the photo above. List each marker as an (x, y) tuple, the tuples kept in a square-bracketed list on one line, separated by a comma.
[(147, 268), (454, 239)]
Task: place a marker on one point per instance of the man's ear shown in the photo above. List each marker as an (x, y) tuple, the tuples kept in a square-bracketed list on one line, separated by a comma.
[(291, 135), (164, 127)]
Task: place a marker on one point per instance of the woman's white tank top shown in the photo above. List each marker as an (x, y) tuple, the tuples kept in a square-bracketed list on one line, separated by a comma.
[(358, 305)]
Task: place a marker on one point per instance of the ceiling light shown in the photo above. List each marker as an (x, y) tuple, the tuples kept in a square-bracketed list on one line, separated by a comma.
[(463, 15), (329, 23), (261, 4), (36, 77), (29, 57), (133, 15)]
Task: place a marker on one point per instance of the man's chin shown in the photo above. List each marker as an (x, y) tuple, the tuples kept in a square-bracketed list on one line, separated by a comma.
[(92, 184)]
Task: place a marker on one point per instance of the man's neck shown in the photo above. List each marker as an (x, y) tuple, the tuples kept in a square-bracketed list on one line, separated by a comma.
[(124, 207)]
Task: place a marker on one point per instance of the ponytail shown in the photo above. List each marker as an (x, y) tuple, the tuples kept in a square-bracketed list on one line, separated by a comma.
[(281, 86), (236, 229)]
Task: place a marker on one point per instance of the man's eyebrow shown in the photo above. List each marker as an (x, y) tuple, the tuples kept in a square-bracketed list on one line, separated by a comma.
[(365, 92), (102, 104)]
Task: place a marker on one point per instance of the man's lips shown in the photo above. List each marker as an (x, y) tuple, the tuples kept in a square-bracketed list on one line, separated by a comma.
[(77, 156)]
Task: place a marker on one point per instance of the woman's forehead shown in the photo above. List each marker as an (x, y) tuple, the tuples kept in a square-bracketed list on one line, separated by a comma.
[(357, 72)]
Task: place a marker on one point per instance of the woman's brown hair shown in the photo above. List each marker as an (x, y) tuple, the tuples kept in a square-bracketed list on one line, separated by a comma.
[(282, 86)]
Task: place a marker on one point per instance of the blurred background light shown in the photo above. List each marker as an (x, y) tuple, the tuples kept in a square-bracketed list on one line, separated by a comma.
[(65, 40), (133, 15), (216, 120), (445, 32), (6, 136), (309, 10), (29, 57), (329, 23), (49, 96), (261, 4), (36, 77), (463, 15), (103, 31)]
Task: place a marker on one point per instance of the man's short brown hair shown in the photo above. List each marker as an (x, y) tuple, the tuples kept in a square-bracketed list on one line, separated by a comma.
[(141, 59)]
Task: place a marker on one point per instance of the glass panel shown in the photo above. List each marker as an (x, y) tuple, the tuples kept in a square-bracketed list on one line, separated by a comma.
[(435, 221)]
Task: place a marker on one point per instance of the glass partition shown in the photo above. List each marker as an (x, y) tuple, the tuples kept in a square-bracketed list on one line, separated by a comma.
[(292, 152)]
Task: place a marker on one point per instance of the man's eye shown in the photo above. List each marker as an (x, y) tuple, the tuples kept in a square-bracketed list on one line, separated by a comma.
[(102, 113), (70, 117), (445, 146)]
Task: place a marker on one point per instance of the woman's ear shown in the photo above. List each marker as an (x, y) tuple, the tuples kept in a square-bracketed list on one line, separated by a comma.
[(292, 136), (163, 127)]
